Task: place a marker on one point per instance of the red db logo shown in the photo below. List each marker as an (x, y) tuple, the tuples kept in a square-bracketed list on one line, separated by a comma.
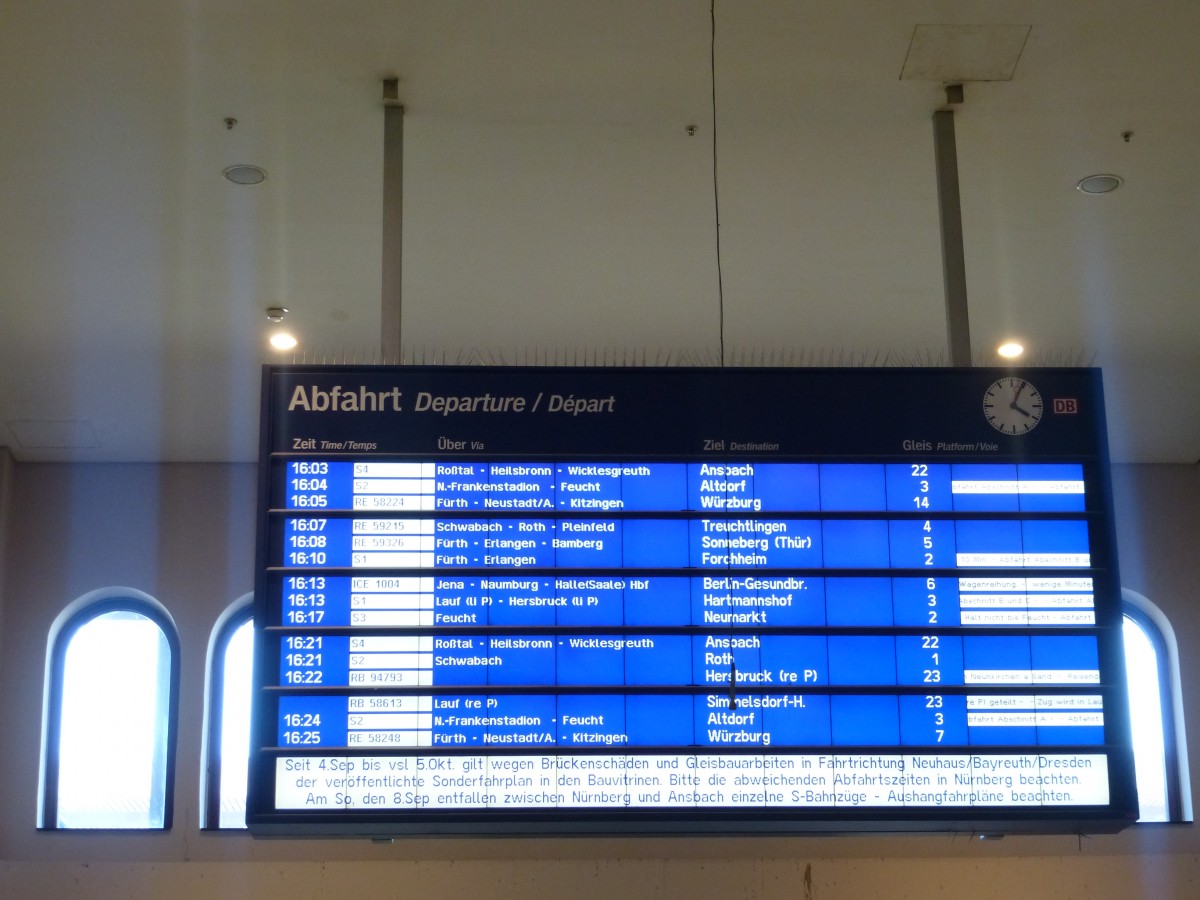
[(1066, 405)]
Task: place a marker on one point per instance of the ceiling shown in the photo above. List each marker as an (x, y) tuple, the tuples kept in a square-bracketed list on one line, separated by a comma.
[(557, 210)]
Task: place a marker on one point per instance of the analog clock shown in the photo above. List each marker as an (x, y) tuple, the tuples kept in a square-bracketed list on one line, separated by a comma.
[(1012, 405)]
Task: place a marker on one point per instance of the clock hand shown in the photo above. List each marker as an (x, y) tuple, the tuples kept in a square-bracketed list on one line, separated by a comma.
[(1016, 397)]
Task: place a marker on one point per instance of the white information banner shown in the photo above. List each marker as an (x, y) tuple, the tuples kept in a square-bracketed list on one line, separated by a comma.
[(606, 782)]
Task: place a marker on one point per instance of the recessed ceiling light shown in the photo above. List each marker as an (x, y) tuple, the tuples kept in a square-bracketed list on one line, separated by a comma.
[(245, 174), (1010, 349), (281, 340), (1099, 184)]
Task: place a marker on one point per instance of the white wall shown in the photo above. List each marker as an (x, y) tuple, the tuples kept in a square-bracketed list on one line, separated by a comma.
[(185, 533)]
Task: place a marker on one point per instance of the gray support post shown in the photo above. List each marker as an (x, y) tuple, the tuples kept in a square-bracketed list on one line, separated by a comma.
[(954, 267), (393, 219)]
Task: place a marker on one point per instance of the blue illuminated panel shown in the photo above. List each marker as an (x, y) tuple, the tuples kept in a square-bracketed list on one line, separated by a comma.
[(610, 603), (427, 486)]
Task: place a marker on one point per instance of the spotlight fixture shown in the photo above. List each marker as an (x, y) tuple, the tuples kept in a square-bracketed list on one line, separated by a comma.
[(243, 174), (276, 313), (1010, 349), (281, 340), (1099, 184)]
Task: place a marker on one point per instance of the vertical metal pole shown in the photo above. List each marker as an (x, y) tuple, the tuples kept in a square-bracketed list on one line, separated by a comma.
[(393, 219), (954, 267)]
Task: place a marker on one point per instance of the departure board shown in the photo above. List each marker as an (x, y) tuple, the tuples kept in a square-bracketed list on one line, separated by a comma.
[(646, 600)]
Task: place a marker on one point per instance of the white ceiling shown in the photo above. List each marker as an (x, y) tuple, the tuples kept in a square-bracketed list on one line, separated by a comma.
[(556, 209)]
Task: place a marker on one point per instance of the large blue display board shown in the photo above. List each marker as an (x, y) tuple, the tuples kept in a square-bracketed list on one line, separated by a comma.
[(694, 601)]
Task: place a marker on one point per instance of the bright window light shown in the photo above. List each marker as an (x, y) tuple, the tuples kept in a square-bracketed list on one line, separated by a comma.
[(235, 725), (113, 739), (1145, 712)]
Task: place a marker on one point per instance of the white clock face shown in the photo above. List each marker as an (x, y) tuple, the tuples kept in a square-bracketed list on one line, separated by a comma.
[(1012, 406)]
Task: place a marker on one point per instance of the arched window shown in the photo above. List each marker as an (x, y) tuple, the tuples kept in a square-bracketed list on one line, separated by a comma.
[(227, 731), (1156, 713), (112, 686)]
